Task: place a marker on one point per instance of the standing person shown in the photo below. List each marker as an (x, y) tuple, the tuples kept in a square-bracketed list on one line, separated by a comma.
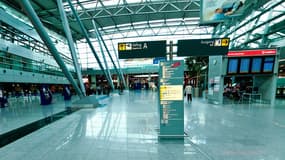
[(188, 92), (67, 96), (45, 95), (2, 100)]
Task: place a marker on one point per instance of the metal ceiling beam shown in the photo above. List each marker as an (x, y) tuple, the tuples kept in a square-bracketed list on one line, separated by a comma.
[(248, 21), (257, 26), (138, 8)]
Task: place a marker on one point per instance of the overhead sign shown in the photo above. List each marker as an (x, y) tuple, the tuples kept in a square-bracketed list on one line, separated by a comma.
[(203, 47), (148, 49), (259, 52)]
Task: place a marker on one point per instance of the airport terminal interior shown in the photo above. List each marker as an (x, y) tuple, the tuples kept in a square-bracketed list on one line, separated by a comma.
[(142, 79)]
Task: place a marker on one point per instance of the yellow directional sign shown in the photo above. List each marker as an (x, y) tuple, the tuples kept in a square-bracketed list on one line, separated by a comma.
[(225, 42), (171, 92), (122, 46)]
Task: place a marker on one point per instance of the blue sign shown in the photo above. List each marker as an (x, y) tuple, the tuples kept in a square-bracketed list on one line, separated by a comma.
[(159, 59)]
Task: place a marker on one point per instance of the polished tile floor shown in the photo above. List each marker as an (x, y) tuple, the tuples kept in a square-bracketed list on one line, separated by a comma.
[(23, 110), (126, 128)]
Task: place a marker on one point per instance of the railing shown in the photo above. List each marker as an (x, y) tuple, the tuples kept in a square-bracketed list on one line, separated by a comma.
[(28, 65), (17, 37)]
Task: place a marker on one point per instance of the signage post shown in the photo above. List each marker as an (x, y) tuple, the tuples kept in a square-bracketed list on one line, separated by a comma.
[(171, 99)]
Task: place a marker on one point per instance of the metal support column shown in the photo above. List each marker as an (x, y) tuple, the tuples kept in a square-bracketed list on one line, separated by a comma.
[(120, 70), (71, 44), (87, 39), (109, 54), (171, 51), (26, 5), (103, 55)]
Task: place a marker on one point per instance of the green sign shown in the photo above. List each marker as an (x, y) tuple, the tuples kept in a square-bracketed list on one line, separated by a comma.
[(171, 99), (203, 47), (148, 49)]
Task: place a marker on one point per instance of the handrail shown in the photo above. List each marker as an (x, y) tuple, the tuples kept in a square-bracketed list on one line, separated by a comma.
[(31, 43), (30, 66)]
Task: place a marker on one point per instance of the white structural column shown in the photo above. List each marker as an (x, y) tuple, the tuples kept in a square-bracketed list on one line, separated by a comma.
[(71, 44), (26, 5)]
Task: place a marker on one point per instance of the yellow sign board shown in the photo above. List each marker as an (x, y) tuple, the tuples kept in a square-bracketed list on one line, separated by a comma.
[(122, 46), (225, 42), (171, 92)]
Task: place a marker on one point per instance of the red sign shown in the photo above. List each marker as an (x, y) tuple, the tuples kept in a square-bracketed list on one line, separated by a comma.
[(176, 64), (242, 53)]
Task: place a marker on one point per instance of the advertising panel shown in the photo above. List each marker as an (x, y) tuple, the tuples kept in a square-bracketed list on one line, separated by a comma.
[(215, 11)]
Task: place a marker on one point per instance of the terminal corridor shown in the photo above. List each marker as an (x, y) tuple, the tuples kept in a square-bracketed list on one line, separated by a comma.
[(127, 128)]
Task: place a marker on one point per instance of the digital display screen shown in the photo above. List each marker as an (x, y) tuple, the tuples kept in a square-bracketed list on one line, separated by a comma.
[(268, 64), (256, 65), (244, 65), (233, 66), (216, 11)]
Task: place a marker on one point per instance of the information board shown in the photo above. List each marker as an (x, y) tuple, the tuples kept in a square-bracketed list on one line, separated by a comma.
[(254, 52), (149, 49), (244, 65), (233, 66), (268, 64), (251, 65), (171, 99), (256, 65), (203, 47)]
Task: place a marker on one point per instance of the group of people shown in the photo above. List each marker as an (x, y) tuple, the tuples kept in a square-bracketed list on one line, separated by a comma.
[(98, 89), (46, 96)]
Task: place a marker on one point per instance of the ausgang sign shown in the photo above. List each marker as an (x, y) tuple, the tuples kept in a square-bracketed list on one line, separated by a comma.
[(203, 47), (149, 49)]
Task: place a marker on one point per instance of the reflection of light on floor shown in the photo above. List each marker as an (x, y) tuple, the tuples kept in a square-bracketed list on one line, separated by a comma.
[(202, 119), (189, 149), (198, 140), (197, 119), (105, 125), (279, 125), (227, 123)]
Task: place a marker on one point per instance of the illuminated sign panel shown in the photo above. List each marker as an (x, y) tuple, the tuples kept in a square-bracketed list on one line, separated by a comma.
[(148, 49), (216, 11), (256, 65), (203, 47), (260, 52), (244, 65), (268, 64), (233, 66)]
